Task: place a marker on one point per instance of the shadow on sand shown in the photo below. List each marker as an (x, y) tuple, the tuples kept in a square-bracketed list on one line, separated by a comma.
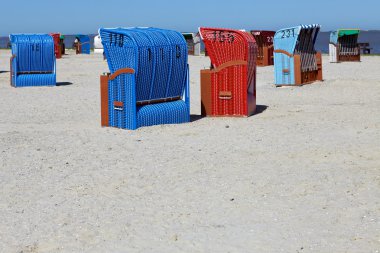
[(63, 83), (194, 117), (259, 109)]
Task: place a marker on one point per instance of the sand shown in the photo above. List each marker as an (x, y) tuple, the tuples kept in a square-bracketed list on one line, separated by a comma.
[(302, 175)]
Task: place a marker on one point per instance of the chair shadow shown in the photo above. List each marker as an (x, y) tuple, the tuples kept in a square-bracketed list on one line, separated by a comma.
[(63, 83), (194, 117), (260, 109)]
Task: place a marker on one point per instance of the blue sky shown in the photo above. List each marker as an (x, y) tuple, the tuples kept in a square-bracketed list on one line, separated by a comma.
[(42, 16)]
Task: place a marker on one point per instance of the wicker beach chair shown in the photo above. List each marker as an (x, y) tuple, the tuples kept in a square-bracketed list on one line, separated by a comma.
[(98, 46), (344, 45), (33, 60), (229, 87), (57, 45), (62, 44), (83, 46), (193, 43), (149, 79), (295, 60), (264, 41)]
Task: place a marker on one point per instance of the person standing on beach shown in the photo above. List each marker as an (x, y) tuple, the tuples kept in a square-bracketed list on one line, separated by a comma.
[(76, 45)]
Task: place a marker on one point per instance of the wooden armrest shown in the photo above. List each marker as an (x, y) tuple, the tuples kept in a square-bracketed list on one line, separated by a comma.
[(121, 71), (11, 68), (280, 51), (228, 64), (11, 59)]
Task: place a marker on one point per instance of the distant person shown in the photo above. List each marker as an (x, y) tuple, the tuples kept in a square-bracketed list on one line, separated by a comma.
[(76, 45), (62, 44)]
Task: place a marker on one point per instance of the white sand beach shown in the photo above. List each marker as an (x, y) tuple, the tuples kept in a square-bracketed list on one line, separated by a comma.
[(302, 175)]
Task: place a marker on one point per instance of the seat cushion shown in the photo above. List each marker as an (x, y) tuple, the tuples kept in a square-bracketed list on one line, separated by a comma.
[(36, 80), (163, 113)]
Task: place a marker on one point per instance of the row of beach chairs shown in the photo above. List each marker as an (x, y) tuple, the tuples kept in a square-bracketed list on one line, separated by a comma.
[(148, 83), (343, 45), (81, 45)]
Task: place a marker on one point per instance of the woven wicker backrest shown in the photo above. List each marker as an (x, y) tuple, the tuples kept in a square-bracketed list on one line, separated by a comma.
[(158, 56), (34, 52), (226, 45), (299, 40), (348, 44), (263, 39)]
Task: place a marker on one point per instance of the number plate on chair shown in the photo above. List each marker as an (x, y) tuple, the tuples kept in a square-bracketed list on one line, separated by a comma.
[(225, 94), (118, 105)]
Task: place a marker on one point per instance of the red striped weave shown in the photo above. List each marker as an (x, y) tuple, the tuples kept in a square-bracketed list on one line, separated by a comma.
[(225, 45)]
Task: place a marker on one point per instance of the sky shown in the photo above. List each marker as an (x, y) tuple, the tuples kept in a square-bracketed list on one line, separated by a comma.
[(71, 17)]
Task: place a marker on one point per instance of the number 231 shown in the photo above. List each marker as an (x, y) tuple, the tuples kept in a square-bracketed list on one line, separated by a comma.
[(287, 33)]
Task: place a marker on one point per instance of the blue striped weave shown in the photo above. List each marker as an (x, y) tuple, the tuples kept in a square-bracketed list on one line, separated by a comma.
[(289, 40), (85, 43), (34, 60), (159, 58)]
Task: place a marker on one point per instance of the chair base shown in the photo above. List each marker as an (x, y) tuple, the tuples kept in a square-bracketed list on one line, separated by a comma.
[(176, 112), (125, 114), (349, 58), (217, 103), (304, 77), (27, 80), (307, 77), (336, 56)]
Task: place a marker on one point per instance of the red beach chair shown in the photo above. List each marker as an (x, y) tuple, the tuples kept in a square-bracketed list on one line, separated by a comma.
[(264, 40), (229, 87), (57, 45)]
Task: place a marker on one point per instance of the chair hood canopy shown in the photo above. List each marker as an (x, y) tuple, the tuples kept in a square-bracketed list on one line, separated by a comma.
[(224, 45), (34, 52), (288, 39), (30, 38), (158, 57), (335, 35), (262, 33), (83, 38), (263, 38)]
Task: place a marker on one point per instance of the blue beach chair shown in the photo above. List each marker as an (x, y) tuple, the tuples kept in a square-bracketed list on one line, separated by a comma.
[(149, 79), (83, 46), (295, 60), (33, 60)]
